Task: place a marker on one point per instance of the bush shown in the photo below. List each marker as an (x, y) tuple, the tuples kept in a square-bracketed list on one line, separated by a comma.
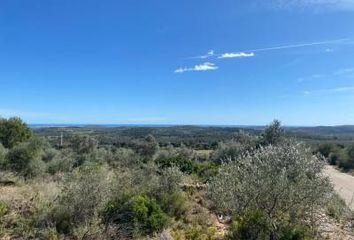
[(83, 144), (254, 225), (336, 207), (229, 150), (146, 148), (175, 204), (84, 193), (273, 134), (184, 164), (3, 152), (62, 162), (280, 180), (342, 159), (123, 157), (326, 149), (139, 214), (3, 209), (25, 159), (13, 131)]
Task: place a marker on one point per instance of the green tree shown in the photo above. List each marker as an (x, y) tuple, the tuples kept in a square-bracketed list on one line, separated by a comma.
[(13, 131), (273, 133)]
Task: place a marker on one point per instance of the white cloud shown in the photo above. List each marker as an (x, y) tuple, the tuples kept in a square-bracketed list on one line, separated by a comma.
[(209, 54), (328, 91), (198, 68), (237, 55)]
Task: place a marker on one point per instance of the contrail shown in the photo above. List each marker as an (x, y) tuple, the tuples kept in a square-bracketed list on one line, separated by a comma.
[(227, 55), (297, 45)]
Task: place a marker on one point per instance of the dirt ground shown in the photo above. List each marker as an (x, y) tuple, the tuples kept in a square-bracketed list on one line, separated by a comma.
[(343, 183)]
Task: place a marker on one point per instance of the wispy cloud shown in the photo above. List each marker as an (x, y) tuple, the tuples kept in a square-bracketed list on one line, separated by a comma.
[(338, 90), (237, 55), (252, 52), (207, 66), (343, 72), (300, 45), (317, 5), (209, 54)]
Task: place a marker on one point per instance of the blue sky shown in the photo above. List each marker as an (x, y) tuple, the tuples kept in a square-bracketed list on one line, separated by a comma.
[(178, 62)]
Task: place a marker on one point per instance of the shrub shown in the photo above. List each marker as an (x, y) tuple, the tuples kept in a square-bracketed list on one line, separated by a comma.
[(13, 131), (183, 163), (229, 150), (254, 225), (62, 162), (342, 159), (3, 152), (336, 207), (279, 180), (3, 209), (326, 149), (206, 171), (84, 193), (174, 204), (49, 154), (170, 179), (146, 148), (25, 159), (273, 134), (139, 214), (83, 144), (123, 157)]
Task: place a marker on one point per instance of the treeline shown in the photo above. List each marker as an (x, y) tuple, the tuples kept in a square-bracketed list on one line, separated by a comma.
[(339, 155)]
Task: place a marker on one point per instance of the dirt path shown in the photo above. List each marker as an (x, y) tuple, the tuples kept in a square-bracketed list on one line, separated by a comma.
[(343, 184)]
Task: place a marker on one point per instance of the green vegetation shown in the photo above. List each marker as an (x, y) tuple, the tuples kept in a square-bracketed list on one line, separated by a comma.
[(13, 131), (338, 155), (123, 183)]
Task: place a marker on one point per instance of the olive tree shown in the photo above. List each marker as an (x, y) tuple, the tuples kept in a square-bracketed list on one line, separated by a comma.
[(283, 182), (273, 133)]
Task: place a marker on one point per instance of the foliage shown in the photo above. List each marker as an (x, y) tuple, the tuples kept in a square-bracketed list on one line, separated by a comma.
[(3, 209), (83, 144), (25, 159), (326, 149), (3, 152), (229, 150), (254, 225), (336, 207), (184, 164), (84, 193), (139, 214), (61, 162), (175, 204), (146, 148), (123, 157), (13, 131), (284, 179), (273, 133)]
